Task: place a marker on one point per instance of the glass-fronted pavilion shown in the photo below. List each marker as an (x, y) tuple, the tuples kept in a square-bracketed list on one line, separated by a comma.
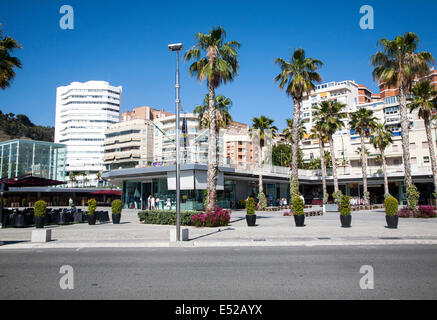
[(38, 158)]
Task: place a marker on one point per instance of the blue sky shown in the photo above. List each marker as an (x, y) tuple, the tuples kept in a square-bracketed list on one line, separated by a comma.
[(125, 43)]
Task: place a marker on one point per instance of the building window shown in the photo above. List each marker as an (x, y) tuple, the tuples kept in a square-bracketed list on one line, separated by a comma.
[(413, 146), (426, 159), (425, 144)]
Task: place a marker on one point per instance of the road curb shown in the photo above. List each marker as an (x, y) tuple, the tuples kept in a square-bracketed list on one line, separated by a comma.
[(208, 244)]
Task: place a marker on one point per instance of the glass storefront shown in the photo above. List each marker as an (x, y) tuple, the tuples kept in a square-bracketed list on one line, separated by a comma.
[(38, 158), (136, 195)]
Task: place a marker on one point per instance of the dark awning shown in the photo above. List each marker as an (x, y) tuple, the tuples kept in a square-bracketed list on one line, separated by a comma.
[(30, 181), (108, 192)]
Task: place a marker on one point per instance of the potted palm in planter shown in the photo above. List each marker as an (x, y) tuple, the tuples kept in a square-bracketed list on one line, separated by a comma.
[(116, 206), (92, 205), (391, 212), (250, 212), (345, 212), (40, 213), (299, 217)]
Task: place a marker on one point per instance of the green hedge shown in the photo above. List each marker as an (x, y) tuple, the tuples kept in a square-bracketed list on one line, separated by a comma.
[(297, 204), (116, 206), (391, 206), (40, 208), (345, 207), (167, 217)]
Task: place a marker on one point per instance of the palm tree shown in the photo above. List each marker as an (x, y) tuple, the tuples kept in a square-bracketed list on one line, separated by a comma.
[(259, 127), (7, 62), (318, 132), (425, 100), (289, 129), (218, 65), (381, 138), (297, 76), (363, 122), (397, 65), (223, 117), (328, 115), (73, 178)]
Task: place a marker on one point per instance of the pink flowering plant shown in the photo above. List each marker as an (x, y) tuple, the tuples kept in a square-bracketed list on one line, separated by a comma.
[(215, 218), (419, 212)]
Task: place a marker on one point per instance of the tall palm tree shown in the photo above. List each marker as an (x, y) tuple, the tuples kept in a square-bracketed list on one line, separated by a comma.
[(329, 114), (397, 65), (289, 129), (363, 122), (223, 117), (425, 101), (218, 65), (297, 77), (318, 132), (381, 138), (259, 127), (7, 62)]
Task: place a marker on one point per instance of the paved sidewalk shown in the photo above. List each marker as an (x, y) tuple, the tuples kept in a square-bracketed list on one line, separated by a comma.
[(273, 229)]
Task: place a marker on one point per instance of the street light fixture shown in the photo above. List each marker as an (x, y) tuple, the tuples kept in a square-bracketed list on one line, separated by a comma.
[(177, 47)]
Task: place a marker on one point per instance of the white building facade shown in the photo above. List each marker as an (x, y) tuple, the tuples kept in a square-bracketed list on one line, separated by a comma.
[(83, 112)]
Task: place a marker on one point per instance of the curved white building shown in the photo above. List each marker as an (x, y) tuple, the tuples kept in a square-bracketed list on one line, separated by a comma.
[(83, 112)]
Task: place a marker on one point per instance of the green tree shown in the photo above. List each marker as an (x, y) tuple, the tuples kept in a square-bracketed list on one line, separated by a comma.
[(219, 64), (259, 127), (328, 117), (297, 77), (397, 65), (363, 122), (223, 117), (381, 138), (7, 62), (425, 101)]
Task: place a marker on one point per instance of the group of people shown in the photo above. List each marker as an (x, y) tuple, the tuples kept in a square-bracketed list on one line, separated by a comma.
[(281, 202), (154, 203)]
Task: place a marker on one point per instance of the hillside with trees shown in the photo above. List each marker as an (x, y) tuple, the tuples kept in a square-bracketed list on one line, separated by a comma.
[(20, 127)]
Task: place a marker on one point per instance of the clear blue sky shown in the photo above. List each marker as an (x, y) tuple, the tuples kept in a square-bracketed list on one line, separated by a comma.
[(125, 43)]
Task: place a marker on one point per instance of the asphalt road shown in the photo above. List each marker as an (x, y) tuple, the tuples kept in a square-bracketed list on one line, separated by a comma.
[(400, 272)]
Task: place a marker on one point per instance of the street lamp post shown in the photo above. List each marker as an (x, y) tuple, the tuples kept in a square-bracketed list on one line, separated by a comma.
[(177, 47)]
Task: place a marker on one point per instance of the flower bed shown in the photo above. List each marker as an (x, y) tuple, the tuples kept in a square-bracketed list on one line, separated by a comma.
[(217, 218), (420, 212)]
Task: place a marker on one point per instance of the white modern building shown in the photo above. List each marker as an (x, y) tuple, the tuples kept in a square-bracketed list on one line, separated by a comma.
[(83, 112)]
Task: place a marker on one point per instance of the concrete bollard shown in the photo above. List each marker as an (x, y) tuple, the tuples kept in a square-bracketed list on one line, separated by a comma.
[(41, 235), (184, 235)]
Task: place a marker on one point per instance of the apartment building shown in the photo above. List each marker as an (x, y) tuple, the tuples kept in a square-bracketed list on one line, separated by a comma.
[(194, 140), (83, 112), (130, 143), (239, 150)]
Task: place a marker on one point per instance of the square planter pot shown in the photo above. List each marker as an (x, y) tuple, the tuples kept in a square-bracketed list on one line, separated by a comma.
[(92, 219), (39, 222), (116, 218), (251, 220), (392, 221), (345, 221), (299, 220)]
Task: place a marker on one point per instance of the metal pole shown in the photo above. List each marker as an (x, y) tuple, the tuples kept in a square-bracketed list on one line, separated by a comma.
[(178, 204), (2, 189)]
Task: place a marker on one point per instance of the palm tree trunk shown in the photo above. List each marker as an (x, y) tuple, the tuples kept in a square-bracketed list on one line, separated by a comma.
[(295, 148), (431, 151), (405, 123), (322, 160), (212, 152), (261, 189), (384, 169), (364, 166), (334, 165)]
